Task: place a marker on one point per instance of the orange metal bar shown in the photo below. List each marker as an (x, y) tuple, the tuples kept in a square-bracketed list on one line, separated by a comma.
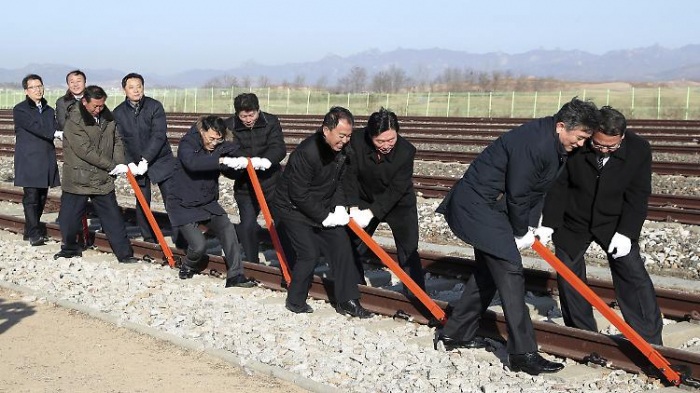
[(644, 347), (86, 231), (151, 220), (268, 220), (434, 309)]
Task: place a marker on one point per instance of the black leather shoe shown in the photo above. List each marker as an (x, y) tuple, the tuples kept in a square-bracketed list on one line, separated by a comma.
[(130, 259), (185, 271), (40, 241), (304, 308), (354, 309), (240, 281), (67, 254), (452, 343), (533, 364)]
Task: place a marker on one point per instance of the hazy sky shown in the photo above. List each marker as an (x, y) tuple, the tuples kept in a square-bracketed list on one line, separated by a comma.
[(172, 36)]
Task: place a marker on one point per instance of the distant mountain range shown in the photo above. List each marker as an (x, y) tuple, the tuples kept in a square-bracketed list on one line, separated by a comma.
[(650, 64)]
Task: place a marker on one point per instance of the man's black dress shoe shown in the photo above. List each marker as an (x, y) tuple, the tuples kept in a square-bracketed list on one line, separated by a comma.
[(299, 309), (451, 343), (67, 254), (40, 241), (185, 271), (533, 364), (353, 308), (240, 281), (130, 259)]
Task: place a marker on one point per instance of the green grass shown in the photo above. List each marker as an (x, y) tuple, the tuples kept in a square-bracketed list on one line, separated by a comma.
[(674, 103)]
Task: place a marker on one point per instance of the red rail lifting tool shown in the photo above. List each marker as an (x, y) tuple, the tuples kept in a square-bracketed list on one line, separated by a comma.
[(429, 303), (151, 220), (268, 220), (660, 362)]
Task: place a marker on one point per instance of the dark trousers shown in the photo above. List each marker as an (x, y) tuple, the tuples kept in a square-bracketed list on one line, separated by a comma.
[(33, 201), (403, 222), (248, 209), (223, 229), (491, 274), (633, 289), (106, 208), (303, 245), (141, 220)]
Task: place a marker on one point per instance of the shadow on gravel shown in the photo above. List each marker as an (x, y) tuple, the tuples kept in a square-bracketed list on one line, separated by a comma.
[(12, 313)]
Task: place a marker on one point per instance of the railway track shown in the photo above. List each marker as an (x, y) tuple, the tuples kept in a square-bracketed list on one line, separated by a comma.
[(553, 339)]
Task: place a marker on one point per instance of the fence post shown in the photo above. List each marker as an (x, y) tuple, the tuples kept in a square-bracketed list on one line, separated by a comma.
[(607, 97), (308, 101), (447, 113), (267, 107), (534, 106), (469, 101), (195, 100), (512, 104), (687, 103), (632, 107), (211, 101), (287, 110), (328, 101), (584, 95), (558, 103), (185, 106), (408, 96), (658, 105), (175, 100), (490, 102), (387, 101), (367, 107), (427, 106)]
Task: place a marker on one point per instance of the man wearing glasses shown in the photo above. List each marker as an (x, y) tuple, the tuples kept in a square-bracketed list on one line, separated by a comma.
[(35, 155), (601, 197)]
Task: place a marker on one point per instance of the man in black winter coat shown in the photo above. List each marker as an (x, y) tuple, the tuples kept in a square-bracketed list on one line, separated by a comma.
[(203, 153), (310, 215), (142, 124), (76, 88), (601, 196), (379, 187), (260, 137), (36, 168), (495, 207)]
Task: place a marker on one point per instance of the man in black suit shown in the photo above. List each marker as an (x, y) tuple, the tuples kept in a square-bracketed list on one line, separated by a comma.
[(495, 207), (602, 196), (378, 184)]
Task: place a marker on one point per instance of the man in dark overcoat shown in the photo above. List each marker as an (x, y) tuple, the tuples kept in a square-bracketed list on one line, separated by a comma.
[(310, 215), (379, 187), (260, 137), (601, 196), (203, 153), (143, 127), (93, 155), (36, 168), (495, 207)]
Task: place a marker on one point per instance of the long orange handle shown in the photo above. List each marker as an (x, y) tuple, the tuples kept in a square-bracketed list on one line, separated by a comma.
[(86, 231), (644, 347), (268, 220), (151, 220), (429, 303)]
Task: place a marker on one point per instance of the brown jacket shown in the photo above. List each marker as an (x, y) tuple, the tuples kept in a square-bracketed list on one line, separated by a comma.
[(90, 152)]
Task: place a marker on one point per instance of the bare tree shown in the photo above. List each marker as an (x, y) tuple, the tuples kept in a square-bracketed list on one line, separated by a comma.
[(299, 81), (221, 82), (321, 83), (355, 81), (247, 82), (263, 81)]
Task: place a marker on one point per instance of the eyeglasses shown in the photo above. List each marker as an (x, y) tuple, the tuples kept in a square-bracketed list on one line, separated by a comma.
[(607, 148), (38, 87), (213, 139)]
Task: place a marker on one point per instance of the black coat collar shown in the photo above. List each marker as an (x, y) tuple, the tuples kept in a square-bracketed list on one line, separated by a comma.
[(373, 153), (326, 153), (105, 115), (32, 104)]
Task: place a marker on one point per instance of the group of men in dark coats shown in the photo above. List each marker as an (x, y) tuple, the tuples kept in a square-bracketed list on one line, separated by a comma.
[(595, 191)]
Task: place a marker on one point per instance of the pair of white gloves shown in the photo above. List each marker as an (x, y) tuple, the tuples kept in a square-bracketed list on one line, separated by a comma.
[(620, 245), (58, 135), (136, 170), (238, 163)]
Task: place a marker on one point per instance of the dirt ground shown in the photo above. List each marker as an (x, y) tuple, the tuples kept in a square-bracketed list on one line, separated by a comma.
[(45, 348)]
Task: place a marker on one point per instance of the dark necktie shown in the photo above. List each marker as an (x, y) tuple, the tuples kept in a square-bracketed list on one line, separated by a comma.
[(601, 162)]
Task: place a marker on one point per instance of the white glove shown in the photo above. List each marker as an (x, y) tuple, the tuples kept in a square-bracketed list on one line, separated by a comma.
[(261, 163), (341, 216), (525, 241), (142, 167), (329, 221), (120, 169), (361, 217), (58, 135), (545, 234), (133, 168), (620, 244), (236, 163)]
